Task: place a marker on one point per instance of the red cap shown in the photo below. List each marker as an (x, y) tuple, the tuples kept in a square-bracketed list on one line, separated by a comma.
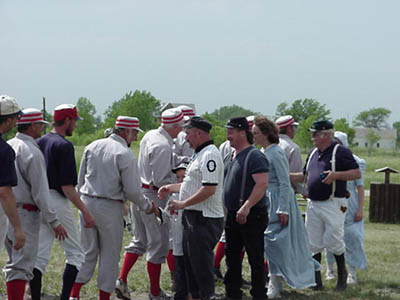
[(65, 111)]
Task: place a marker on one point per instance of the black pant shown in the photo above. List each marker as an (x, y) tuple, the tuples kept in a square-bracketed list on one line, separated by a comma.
[(251, 236), (181, 291), (200, 235)]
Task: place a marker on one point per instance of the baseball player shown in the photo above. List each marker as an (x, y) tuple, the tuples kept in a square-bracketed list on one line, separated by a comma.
[(104, 193), (328, 167), (9, 112), (155, 164), (32, 196), (62, 178), (181, 147), (287, 131)]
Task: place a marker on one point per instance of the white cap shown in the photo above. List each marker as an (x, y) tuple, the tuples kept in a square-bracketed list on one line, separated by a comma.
[(8, 106), (187, 111), (285, 121), (31, 115), (128, 122), (342, 137), (250, 120), (171, 116)]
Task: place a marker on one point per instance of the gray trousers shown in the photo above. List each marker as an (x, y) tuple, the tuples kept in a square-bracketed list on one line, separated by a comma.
[(22, 262), (148, 235), (103, 242)]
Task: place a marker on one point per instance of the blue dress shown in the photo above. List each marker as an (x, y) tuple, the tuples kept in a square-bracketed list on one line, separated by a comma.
[(287, 248), (353, 231)]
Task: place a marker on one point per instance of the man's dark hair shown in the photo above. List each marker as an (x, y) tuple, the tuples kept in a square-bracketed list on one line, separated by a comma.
[(283, 130), (59, 123), (249, 136), (4, 119), (23, 127)]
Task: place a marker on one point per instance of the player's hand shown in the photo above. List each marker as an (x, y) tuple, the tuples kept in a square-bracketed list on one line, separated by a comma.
[(60, 233), (241, 215), (330, 177), (175, 205), (19, 239), (283, 219), (358, 216), (163, 191), (88, 218)]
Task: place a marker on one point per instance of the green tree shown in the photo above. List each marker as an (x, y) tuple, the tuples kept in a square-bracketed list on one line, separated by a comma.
[(396, 125), (372, 137), (303, 134), (225, 113), (140, 104), (302, 109), (87, 111), (373, 118), (342, 125)]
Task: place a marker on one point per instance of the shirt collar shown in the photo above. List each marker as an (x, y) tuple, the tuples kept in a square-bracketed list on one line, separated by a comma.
[(166, 134), (25, 137), (118, 138), (202, 146)]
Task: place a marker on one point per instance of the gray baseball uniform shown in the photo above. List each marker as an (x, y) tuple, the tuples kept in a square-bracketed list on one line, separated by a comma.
[(108, 175), (155, 165), (32, 197), (181, 147)]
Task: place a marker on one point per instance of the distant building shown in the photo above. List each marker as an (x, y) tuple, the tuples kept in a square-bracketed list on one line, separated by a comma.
[(387, 139), (171, 105)]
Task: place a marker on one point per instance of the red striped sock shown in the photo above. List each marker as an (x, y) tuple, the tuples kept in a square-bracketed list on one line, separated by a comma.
[(76, 290), (129, 261), (171, 261), (104, 295), (154, 271), (16, 289), (219, 254)]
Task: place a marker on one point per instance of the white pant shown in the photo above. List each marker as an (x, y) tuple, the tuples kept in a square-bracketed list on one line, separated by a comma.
[(103, 242), (325, 225), (72, 246), (3, 226)]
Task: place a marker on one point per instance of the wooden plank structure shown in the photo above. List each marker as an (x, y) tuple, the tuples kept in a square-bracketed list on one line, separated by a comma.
[(384, 202)]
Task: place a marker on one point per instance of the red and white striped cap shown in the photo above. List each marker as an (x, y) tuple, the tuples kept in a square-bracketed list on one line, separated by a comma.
[(285, 121), (250, 120), (187, 110), (31, 115), (128, 122), (171, 116)]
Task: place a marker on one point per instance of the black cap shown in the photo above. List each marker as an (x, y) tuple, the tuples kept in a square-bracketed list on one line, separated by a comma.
[(321, 125), (238, 123), (199, 123)]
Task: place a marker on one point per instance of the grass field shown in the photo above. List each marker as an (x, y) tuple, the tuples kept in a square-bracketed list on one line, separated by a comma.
[(380, 281)]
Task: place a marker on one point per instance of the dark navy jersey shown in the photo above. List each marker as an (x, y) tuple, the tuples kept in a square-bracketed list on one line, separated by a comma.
[(8, 174), (257, 163), (320, 162), (59, 154)]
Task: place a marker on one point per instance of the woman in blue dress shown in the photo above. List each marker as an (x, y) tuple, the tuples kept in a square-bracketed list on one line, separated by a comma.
[(286, 242)]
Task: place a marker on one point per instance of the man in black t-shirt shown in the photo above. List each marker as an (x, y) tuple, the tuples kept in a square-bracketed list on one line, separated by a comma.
[(327, 169), (247, 212), (61, 173), (9, 112)]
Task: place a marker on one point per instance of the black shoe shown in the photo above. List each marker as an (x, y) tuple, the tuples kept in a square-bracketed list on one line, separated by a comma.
[(218, 274), (318, 282)]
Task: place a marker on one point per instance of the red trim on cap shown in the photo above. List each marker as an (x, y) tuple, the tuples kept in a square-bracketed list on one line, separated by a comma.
[(286, 123), (30, 118), (173, 119), (62, 114), (188, 112)]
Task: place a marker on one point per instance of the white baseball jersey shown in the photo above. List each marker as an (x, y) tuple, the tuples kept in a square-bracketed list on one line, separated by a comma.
[(206, 168), (182, 147)]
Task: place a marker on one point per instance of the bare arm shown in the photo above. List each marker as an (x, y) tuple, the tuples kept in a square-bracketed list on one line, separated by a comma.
[(359, 213), (167, 189), (73, 196), (10, 208), (297, 177), (202, 194), (261, 180), (352, 174)]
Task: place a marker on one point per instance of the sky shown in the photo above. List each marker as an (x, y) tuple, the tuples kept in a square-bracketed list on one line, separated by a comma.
[(253, 53)]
